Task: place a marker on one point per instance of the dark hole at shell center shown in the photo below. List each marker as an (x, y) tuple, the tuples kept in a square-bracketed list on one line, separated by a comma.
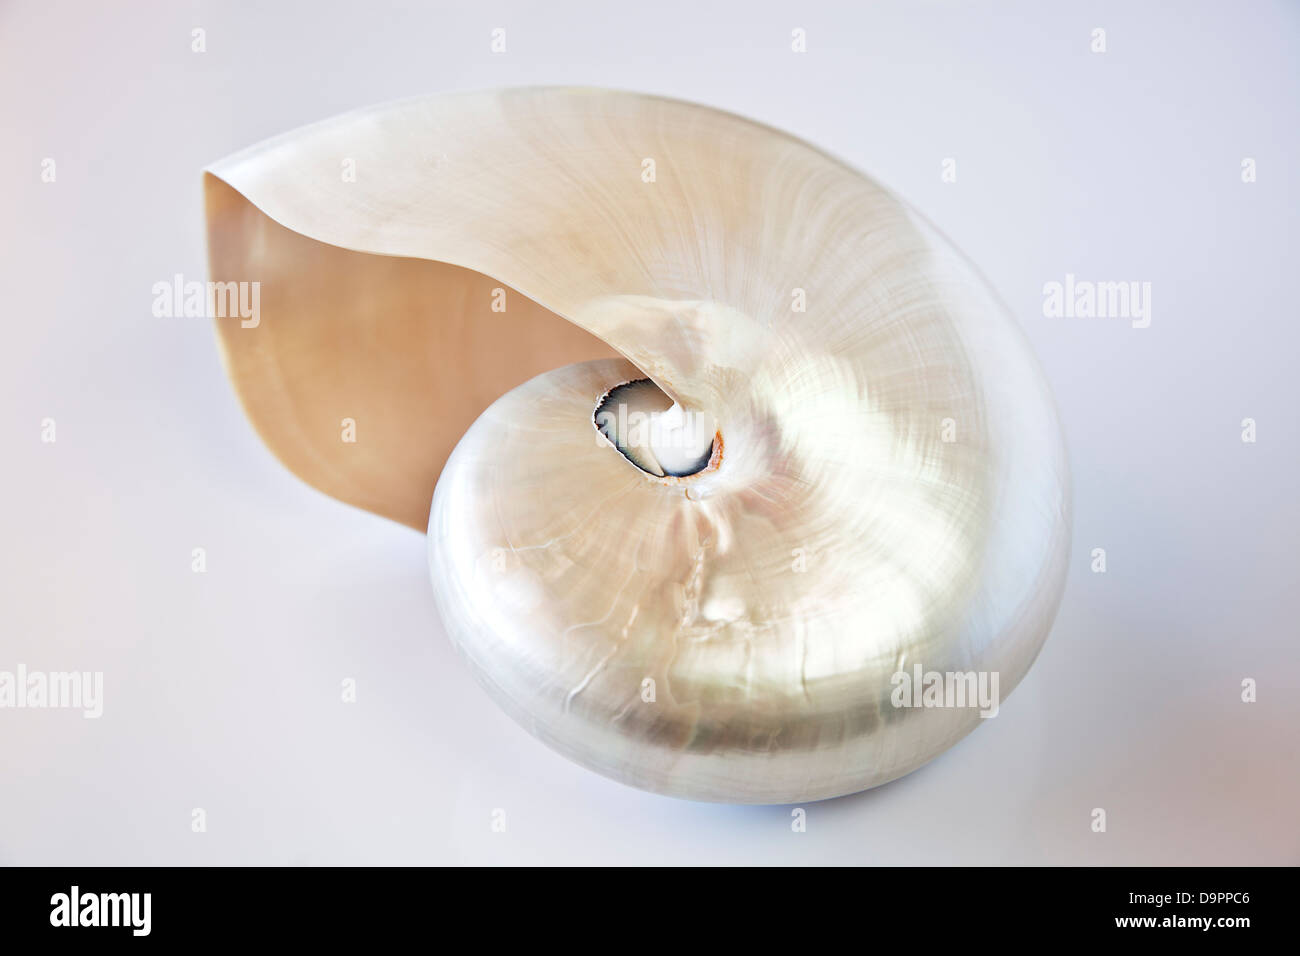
[(640, 420)]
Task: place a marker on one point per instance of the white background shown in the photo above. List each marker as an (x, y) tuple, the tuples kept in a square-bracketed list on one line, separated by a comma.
[(222, 690)]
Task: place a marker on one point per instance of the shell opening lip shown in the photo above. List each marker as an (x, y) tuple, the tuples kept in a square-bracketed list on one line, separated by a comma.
[(667, 444)]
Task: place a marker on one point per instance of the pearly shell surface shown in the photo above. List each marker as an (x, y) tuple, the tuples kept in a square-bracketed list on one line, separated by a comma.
[(890, 490)]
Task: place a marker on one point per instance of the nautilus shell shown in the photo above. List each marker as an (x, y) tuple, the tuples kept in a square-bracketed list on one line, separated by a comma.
[(879, 486)]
